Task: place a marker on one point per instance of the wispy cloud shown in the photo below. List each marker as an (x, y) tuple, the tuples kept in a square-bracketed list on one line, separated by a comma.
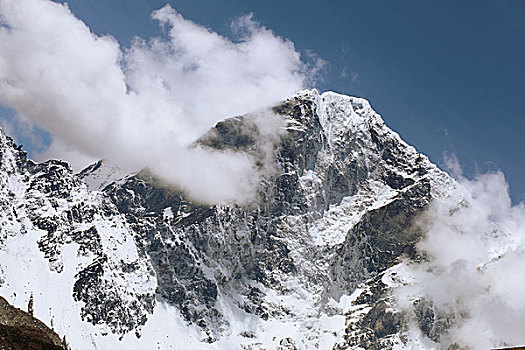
[(474, 244), (142, 106), (346, 73)]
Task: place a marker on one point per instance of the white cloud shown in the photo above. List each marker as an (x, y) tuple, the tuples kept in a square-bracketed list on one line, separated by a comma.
[(475, 244), (142, 106)]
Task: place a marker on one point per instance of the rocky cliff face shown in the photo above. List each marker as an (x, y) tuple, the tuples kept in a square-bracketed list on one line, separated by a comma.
[(136, 264)]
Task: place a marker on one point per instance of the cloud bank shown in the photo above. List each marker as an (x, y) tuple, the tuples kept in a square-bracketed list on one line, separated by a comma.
[(142, 106), (474, 276)]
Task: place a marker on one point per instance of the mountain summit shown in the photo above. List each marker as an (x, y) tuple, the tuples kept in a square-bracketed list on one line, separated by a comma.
[(116, 260)]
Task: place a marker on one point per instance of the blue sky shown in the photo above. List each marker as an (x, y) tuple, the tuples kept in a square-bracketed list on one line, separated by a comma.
[(448, 75)]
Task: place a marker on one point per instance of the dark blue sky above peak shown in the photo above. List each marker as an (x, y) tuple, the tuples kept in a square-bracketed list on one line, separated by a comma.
[(448, 76)]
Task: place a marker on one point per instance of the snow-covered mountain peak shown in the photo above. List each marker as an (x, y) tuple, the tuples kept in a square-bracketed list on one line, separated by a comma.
[(103, 173), (115, 261), (343, 110)]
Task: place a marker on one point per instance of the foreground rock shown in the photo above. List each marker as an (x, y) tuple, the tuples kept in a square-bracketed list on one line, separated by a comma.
[(21, 331)]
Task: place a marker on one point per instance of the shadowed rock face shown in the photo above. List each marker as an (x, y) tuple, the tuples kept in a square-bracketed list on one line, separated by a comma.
[(21, 331), (335, 211)]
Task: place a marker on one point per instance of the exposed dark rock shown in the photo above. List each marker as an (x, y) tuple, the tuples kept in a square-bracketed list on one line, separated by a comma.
[(433, 323), (380, 237), (21, 331)]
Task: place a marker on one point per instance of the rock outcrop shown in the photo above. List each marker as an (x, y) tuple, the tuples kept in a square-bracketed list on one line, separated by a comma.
[(21, 331)]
